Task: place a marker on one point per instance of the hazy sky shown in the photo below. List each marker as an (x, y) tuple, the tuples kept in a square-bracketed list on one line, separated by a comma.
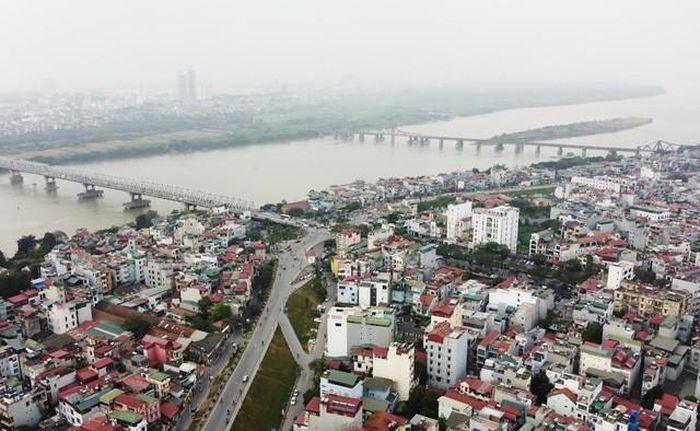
[(110, 44)]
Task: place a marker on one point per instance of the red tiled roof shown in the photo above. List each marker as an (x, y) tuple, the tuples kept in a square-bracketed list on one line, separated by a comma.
[(439, 332), (314, 405), (102, 363), (443, 309), (474, 403), (169, 409), (382, 421), (489, 338), (129, 401), (85, 375), (380, 352), (344, 406), (564, 391)]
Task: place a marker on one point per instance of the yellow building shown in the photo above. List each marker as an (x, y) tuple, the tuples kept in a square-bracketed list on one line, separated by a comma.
[(646, 300)]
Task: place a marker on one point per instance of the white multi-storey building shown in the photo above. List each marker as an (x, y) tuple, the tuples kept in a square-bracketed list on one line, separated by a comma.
[(349, 327), (64, 316), (347, 292), (376, 236), (159, 274), (598, 182), (396, 363), (373, 293), (347, 238), (456, 220), (499, 225), (447, 349), (618, 271)]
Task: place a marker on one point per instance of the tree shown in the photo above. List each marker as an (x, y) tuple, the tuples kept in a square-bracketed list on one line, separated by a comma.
[(48, 242), (421, 371), (204, 307), (145, 220), (539, 259), (652, 395), (571, 266), (644, 275), (540, 386), (491, 254), (3, 260), (296, 212), (14, 282), (137, 326), (25, 245), (255, 235), (393, 217), (220, 311), (593, 333)]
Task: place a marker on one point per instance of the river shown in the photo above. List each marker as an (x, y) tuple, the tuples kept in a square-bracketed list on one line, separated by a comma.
[(287, 170)]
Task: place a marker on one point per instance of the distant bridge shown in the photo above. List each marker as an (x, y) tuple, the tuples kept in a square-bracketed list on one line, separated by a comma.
[(421, 139), (137, 188)]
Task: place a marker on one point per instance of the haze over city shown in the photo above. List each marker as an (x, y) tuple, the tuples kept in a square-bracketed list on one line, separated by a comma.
[(133, 45), (350, 216)]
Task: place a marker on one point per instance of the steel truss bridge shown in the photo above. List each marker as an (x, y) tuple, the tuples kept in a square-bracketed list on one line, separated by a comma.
[(137, 188), (422, 139)]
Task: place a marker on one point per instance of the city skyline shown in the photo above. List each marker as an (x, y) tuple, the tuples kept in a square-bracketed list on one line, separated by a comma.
[(276, 44)]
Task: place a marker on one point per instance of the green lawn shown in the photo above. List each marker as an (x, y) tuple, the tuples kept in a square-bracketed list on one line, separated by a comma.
[(301, 308), (270, 390)]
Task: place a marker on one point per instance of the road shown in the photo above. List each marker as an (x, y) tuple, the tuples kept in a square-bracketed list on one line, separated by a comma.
[(203, 385), (306, 377), (290, 263)]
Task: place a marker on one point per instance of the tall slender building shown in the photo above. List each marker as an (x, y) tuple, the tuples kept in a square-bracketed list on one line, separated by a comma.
[(182, 88), (192, 84)]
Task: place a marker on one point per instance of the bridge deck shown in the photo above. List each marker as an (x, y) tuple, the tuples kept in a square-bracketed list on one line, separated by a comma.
[(141, 187)]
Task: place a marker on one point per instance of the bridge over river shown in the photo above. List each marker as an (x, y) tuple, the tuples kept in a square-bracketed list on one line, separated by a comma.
[(135, 187), (423, 139)]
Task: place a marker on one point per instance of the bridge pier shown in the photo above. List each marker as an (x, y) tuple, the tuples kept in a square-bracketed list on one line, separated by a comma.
[(50, 184), (16, 177), (612, 153), (412, 139), (538, 150), (441, 143), (90, 192), (478, 147), (519, 148), (638, 152), (137, 201), (393, 139), (584, 152), (362, 137), (460, 144), (560, 151), (190, 207), (424, 141), (499, 147)]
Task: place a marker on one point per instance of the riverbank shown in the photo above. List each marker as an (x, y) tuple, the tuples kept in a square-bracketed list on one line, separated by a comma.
[(301, 120), (571, 130)]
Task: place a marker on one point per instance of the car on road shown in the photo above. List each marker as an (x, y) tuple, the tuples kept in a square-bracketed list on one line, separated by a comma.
[(293, 401), (245, 378)]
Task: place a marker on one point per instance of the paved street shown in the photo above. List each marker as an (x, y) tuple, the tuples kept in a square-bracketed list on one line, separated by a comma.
[(305, 380), (202, 388), (290, 263)]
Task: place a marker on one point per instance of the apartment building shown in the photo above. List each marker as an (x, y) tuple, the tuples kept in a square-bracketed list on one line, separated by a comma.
[(447, 349), (499, 225)]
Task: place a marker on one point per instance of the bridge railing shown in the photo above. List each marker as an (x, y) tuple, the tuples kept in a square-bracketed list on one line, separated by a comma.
[(142, 187)]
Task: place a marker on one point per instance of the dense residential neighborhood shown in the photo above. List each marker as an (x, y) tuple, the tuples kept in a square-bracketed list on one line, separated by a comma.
[(564, 296)]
